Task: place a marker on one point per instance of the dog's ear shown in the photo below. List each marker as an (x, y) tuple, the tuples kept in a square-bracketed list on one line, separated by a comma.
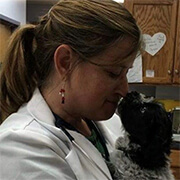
[(128, 109), (131, 111), (161, 127), (139, 117), (148, 125), (159, 136)]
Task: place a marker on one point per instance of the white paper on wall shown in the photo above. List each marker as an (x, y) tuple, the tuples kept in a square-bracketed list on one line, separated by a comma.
[(134, 74), (149, 73), (154, 43)]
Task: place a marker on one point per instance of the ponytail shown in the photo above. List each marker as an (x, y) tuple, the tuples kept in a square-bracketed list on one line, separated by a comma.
[(18, 75)]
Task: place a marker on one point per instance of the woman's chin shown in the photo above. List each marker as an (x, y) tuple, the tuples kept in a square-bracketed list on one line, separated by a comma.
[(107, 113)]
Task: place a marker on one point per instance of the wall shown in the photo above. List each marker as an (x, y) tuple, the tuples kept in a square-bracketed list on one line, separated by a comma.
[(169, 95), (14, 9), (38, 8), (159, 92)]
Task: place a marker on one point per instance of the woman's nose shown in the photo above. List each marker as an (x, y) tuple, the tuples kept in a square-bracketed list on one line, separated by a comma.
[(122, 87)]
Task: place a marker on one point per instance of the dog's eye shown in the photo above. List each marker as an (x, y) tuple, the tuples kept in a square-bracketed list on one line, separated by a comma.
[(143, 110)]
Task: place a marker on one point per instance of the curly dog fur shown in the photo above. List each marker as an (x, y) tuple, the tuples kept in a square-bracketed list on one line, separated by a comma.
[(143, 152)]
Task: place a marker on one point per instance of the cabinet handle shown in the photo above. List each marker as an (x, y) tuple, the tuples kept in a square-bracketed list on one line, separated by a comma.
[(176, 71), (169, 71)]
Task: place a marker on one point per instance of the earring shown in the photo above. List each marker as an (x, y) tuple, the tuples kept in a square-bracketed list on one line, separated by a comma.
[(62, 93)]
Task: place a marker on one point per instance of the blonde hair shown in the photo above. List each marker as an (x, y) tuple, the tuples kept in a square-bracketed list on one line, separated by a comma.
[(87, 26)]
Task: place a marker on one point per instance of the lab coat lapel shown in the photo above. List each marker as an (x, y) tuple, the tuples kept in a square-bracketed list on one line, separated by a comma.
[(73, 161), (93, 153), (39, 109)]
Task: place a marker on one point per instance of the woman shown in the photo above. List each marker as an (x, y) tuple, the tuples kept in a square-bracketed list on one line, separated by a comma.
[(59, 77)]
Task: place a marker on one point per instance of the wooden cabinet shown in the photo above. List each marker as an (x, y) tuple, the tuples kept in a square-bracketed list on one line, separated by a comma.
[(7, 26), (176, 74), (175, 163), (5, 33), (154, 16)]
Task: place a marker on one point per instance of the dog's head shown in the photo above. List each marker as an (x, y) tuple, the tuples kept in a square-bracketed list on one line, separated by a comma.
[(147, 124)]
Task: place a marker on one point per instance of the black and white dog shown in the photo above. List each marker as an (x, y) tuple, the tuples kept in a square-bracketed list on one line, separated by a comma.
[(142, 154)]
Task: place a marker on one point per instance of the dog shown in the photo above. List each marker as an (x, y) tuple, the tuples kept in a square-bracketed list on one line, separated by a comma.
[(143, 152)]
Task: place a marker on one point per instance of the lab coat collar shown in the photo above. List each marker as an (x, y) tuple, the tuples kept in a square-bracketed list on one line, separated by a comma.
[(39, 109), (91, 151)]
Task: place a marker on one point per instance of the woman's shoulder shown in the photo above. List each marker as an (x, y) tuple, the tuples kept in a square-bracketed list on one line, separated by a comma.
[(16, 121), (24, 129), (28, 147)]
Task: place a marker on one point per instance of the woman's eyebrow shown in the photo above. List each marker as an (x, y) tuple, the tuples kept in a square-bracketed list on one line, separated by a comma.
[(124, 66)]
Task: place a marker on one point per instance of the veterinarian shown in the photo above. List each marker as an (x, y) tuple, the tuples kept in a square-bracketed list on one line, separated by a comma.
[(60, 78)]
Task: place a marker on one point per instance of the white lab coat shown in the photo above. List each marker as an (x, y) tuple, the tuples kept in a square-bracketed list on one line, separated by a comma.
[(31, 147)]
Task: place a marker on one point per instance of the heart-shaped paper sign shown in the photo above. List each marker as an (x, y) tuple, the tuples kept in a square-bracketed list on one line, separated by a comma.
[(154, 43)]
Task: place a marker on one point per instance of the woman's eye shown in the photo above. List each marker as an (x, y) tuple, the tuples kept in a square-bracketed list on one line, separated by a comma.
[(113, 75), (122, 73)]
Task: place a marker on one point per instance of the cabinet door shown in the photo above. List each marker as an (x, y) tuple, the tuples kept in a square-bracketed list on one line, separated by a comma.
[(5, 33), (176, 78), (155, 16)]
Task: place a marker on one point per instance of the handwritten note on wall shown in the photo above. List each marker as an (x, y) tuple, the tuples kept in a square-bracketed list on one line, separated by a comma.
[(154, 43), (135, 74)]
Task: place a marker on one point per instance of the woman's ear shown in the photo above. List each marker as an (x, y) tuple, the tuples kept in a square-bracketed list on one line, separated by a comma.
[(63, 58)]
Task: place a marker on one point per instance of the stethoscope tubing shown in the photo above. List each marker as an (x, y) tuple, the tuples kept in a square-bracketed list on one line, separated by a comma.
[(83, 151)]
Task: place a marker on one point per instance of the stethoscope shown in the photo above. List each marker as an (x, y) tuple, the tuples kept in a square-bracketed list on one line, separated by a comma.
[(83, 151)]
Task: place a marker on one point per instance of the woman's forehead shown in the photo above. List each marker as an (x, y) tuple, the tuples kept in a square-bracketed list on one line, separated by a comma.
[(120, 52), (121, 49)]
